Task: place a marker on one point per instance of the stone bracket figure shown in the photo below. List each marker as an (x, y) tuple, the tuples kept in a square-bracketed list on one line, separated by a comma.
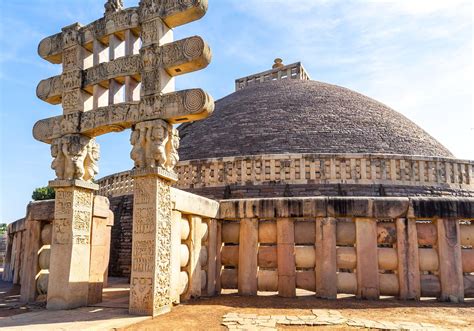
[(172, 156), (75, 157), (151, 145)]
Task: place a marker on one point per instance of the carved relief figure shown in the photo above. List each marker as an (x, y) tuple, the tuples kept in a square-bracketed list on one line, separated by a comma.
[(58, 158), (70, 37), (91, 164), (137, 139), (74, 148), (112, 6), (172, 150), (151, 144), (157, 140)]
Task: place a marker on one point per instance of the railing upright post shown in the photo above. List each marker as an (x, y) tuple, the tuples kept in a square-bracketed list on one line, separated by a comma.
[(367, 259), (248, 253), (326, 269), (408, 260), (286, 257), (450, 260)]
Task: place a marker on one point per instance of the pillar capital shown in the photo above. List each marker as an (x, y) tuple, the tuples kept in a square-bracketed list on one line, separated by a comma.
[(73, 183)]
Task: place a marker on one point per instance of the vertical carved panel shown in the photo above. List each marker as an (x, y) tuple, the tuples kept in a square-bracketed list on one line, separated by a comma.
[(70, 248), (151, 247)]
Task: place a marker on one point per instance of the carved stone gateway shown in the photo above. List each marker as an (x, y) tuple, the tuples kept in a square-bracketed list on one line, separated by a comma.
[(118, 73)]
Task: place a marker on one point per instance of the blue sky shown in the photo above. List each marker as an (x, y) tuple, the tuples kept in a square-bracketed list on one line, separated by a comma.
[(413, 55)]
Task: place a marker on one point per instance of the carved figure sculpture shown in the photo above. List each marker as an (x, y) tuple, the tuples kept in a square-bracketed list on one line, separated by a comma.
[(137, 139), (158, 138), (91, 164), (112, 6), (58, 158), (74, 148), (151, 144), (172, 150)]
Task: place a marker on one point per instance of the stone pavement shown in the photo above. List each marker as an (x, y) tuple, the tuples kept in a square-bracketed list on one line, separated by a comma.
[(319, 317), (112, 313), (89, 318)]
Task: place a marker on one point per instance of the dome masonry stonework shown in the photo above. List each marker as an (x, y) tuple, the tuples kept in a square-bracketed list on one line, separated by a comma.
[(303, 116)]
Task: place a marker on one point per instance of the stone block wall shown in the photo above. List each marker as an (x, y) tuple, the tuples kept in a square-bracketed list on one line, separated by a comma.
[(121, 242)]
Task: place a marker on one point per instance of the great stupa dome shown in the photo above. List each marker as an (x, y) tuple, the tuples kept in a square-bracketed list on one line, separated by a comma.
[(303, 116)]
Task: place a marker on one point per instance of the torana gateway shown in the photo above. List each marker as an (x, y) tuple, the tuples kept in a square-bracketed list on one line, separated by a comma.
[(289, 183)]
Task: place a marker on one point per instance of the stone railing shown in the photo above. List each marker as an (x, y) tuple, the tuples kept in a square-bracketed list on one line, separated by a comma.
[(290, 71), (3, 247), (366, 246), (115, 185), (194, 246), (369, 247), (312, 169), (29, 247)]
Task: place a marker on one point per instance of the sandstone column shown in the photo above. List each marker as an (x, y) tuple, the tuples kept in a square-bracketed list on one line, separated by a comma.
[(151, 245), (70, 248), (150, 283)]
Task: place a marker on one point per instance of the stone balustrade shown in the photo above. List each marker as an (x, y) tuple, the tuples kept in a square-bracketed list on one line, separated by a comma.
[(370, 247), (115, 185), (194, 246), (304, 169), (28, 252), (366, 246), (290, 71)]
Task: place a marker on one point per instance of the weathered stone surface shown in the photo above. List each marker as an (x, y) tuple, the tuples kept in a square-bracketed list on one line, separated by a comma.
[(174, 107), (320, 317), (304, 116), (174, 13), (194, 204), (177, 58), (69, 273), (151, 247), (441, 208)]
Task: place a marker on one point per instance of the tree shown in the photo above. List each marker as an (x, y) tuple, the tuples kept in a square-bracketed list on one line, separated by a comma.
[(43, 193)]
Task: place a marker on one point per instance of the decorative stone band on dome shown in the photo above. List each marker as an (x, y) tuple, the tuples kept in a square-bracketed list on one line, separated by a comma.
[(314, 169)]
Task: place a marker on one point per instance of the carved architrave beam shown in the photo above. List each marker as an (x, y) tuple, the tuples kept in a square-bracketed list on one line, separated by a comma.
[(51, 48), (172, 12), (176, 107), (177, 58)]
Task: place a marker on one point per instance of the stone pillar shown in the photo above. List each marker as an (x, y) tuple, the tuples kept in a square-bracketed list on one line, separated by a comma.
[(150, 283), (70, 248), (102, 221), (29, 267)]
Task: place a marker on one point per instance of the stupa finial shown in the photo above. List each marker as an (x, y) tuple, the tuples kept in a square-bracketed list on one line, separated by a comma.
[(278, 63)]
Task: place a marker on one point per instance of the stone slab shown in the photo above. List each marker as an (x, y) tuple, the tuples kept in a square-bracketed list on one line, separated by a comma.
[(88, 318)]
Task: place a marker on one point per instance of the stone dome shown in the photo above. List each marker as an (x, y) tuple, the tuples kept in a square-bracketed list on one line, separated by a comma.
[(303, 116)]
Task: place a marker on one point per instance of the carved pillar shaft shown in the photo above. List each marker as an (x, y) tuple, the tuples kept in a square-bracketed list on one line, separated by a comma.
[(151, 246), (70, 247)]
